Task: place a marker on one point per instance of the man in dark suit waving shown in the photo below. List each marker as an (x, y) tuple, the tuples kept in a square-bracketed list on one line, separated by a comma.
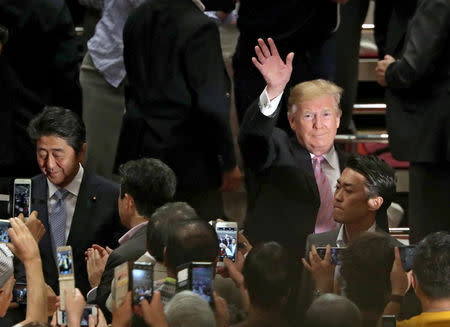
[(77, 208), (295, 177)]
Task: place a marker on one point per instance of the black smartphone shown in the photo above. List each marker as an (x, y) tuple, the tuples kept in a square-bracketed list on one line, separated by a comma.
[(4, 226), (197, 277), (388, 321), (407, 254), (20, 293), (336, 254), (141, 281)]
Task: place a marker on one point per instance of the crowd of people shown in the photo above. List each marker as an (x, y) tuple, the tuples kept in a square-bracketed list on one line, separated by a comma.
[(155, 87)]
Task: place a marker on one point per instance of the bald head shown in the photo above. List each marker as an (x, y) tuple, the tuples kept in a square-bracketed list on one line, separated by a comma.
[(331, 310)]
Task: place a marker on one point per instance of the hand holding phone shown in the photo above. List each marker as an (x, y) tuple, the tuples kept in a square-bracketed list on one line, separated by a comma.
[(66, 272), (141, 281), (227, 233), (407, 254), (4, 227), (197, 277), (336, 254)]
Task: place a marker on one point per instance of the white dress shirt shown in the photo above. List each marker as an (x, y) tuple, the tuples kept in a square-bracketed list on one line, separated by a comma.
[(71, 199)]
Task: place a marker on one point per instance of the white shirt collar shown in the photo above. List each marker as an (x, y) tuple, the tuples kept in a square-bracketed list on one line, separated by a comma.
[(331, 157), (73, 187), (340, 241)]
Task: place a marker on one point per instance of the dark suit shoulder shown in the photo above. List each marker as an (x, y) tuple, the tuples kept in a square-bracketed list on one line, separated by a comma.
[(100, 180)]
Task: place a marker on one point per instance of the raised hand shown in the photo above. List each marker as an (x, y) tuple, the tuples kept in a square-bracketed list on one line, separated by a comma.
[(322, 270), (275, 71)]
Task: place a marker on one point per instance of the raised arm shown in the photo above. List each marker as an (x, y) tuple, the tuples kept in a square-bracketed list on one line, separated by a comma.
[(256, 132)]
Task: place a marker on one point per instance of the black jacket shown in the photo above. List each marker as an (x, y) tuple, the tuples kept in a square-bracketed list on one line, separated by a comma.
[(418, 116)]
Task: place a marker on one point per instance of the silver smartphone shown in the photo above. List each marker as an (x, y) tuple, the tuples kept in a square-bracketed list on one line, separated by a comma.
[(66, 278), (22, 197), (227, 233)]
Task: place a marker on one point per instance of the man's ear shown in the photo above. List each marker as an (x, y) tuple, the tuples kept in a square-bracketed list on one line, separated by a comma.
[(291, 116), (375, 203), (130, 202), (413, 280), (81, 155)]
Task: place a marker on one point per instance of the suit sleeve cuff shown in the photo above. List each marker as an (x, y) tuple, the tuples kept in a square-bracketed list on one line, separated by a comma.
[(266, 106)]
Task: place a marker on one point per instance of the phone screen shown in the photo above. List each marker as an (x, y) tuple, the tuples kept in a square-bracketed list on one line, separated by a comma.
[(65, 262), (227, 241), (336, 254), (22, 199), (20, 293), (85, 315), (142, 283), (4, 226), (202, 282), (407, 256), (389, 321)]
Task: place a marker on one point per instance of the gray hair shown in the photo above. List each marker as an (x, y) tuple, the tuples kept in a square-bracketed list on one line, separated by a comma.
[(187, 309), (6, 264)]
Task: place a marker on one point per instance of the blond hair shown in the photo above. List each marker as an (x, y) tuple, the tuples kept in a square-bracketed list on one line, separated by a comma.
[(310, 90)]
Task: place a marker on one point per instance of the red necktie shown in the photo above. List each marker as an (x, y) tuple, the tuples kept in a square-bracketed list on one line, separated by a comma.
[(324, 221)]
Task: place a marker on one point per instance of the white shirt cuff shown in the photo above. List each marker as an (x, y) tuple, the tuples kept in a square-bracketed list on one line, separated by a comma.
[(91, 295), (266, 106)]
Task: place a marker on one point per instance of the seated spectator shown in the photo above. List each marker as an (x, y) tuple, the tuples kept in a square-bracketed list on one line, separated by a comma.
[(146, 184), (367, 268), (157, 229), (188, 309), (363, 193), (187, 240), (331, 310), (431, 281), (268, 277), (24, 247)]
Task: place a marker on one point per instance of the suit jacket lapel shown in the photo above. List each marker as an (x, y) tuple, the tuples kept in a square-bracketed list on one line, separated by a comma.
[(85, 201)]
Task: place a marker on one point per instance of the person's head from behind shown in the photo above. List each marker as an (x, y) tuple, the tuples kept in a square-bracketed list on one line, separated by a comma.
[(187, 309), (314, 114), (431, 268), (365, 187), (6, 278), (269, 276), (60, 138), (366, 267), (331, 310), (160, 222), (146, 184), (190, 240)]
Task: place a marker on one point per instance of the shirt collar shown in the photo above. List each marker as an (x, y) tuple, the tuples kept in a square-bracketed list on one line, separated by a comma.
[(73, 187), (131, 232), (331, 158), (341, 239)]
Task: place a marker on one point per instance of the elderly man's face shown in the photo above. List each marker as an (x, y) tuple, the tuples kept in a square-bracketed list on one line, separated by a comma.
[(315, 123)]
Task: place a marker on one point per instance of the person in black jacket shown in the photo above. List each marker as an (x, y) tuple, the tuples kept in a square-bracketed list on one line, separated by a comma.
[(178, 101), (418, 116)]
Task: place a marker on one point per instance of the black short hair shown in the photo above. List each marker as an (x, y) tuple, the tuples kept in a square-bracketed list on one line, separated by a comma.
[(191, 240), (162, 218), (366, 267), (269, 275), (60, 122), (149, 181), (380, 181), (432, 265)]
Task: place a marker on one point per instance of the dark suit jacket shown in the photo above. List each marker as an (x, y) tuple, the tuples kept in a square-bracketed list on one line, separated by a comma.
[(287, 198), (131, 250), (95, 220), (38, 67), (418, 116), (177, 96)]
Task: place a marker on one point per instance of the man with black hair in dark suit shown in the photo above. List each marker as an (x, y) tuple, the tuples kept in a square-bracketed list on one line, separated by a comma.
[(77, 207)]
